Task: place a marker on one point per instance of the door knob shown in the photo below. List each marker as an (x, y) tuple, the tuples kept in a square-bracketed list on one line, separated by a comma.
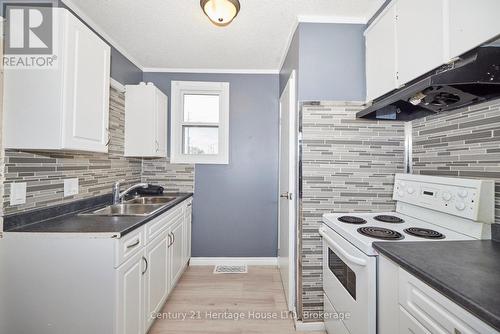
[(286, 195)]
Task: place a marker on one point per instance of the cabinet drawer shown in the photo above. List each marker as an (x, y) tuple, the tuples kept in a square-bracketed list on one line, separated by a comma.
[(434, 311), (160, 224), (333, 324), (408, 324), (129, 245)]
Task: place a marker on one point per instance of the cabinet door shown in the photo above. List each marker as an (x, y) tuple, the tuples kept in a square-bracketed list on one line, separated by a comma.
[(161, 124), (176, 251), (420, 42), (472, 23), (130, 296), (381, 56), (409, 325), (188, 218), (85, 90), (156, 277)]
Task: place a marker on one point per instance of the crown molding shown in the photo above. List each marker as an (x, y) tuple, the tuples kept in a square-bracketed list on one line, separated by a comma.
[(332, 19), (321, 19), (208, 70), (74, 7)]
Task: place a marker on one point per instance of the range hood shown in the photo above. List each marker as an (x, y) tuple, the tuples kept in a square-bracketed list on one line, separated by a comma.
[(472, 79)]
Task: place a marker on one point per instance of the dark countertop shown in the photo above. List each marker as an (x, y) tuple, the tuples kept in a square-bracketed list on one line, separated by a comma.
[(467, 272), (116, 226)]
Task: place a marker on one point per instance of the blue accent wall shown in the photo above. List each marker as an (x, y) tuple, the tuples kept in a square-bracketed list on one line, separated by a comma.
[(235, 205), (330, 62)]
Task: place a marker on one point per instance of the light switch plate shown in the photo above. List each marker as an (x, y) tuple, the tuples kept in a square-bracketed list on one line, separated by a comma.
[(70, 187), (17, 193)]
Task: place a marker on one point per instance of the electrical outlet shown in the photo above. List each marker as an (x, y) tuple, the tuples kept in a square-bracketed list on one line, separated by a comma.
[(70, 187), (17, 193)]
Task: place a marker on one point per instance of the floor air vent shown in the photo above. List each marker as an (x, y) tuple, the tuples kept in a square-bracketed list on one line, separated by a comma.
[(224, 269)]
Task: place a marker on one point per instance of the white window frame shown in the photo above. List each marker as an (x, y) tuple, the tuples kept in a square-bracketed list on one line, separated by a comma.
[(178, 90)]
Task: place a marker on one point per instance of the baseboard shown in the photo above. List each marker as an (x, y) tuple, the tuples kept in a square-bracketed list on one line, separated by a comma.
[(309, 326), (250, 261)]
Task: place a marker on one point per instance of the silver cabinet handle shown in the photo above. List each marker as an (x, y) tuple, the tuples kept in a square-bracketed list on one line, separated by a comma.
[(169, 240), (157, 146), (173, 235), (146, 262), (189, 204), (134, 244)]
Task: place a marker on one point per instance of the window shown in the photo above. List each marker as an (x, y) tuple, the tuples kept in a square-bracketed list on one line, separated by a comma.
[(200, 122)]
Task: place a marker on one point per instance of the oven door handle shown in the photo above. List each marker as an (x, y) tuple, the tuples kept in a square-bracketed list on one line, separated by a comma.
[(338, 249)]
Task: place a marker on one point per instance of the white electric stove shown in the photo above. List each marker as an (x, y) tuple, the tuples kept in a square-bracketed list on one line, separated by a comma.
[(428, 208), (386, 226)]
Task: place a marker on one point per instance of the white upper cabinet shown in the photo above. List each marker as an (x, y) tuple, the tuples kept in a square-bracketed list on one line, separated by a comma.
[(420, 27), (381, 55), (65, 107), (472, 23), (146, 109), (411, 38)]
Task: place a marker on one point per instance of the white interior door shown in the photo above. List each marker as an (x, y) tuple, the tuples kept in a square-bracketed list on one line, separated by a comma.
[(287, 189)]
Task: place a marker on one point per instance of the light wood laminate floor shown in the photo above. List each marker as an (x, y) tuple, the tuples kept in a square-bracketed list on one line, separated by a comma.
[(207, 303)]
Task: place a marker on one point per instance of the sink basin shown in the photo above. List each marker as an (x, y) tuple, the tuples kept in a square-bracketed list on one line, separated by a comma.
[(126, 210), (150, 200)]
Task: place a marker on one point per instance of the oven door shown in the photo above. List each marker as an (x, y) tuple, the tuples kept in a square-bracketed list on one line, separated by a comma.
[(349, 281)]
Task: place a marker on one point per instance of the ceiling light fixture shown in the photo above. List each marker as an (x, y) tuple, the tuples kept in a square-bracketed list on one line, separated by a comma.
[(220, 12)]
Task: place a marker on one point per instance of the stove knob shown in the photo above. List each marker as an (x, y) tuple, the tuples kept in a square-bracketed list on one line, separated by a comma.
[(463, 193), (460, 206), (446, 196), (410, 190)]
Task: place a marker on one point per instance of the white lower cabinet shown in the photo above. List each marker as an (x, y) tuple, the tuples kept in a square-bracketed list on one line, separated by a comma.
[(418, 308), (188, 218), (176, 251), (130, 295), (92, 283), (145, 280), (156, 277)]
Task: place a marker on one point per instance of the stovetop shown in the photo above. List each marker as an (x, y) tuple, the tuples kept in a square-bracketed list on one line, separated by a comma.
[(356, 233)]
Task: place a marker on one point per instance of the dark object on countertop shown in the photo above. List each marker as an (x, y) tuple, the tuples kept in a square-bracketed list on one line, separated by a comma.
[(466, 272), (151, 190), (495, 232)]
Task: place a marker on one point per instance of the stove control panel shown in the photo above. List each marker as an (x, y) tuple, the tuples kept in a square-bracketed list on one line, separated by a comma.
[(468, 198)]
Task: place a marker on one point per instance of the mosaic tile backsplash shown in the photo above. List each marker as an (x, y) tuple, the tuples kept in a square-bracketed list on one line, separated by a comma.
[(348, 165), (463, 143), (174, 178), (44, 172)]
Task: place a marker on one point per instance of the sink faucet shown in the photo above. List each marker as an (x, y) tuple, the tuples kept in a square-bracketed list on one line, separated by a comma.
[(118, 196)]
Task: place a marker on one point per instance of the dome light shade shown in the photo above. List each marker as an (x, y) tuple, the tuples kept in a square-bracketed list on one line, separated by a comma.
[(220, 12)]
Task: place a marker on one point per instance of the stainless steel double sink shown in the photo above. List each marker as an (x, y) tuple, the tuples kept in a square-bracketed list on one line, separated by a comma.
[(140, 206)]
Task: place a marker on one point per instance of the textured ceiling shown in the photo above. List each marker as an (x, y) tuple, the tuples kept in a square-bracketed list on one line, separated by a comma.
[(175, 34)]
